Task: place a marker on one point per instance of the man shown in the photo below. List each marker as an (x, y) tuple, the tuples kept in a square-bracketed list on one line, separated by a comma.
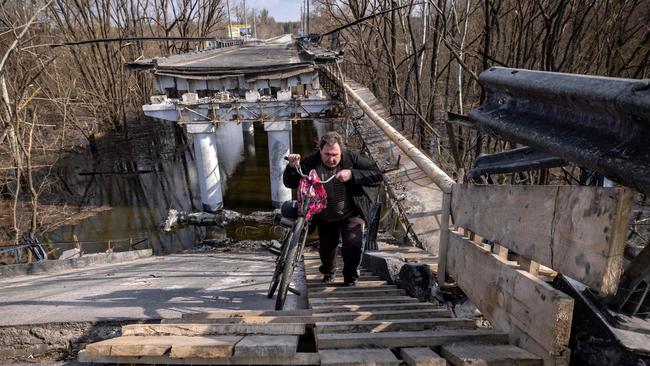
[(348, 202)]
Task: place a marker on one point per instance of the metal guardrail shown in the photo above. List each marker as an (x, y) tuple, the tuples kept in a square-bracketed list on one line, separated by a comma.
[(596, 122)]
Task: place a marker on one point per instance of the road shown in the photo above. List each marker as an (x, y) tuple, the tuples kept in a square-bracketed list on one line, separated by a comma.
[(151, 288)]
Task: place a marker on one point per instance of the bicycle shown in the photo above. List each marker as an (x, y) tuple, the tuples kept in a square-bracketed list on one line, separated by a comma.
[(311, 200)]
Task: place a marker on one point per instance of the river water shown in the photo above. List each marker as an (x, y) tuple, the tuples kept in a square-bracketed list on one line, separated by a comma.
[(134, 178)]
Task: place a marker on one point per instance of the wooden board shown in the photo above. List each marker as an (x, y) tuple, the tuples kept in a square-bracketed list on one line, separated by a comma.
[(339, 289), (340, 292), (421, 356), (537, 316), (376, 307), (267, 346), (425, 338), (375, 326), (212, 329), (497, 355), (176, 346), (380, 315), (577, 231), (301, 358), (363, 300), (358, 357), (360, 283), (245, 313)]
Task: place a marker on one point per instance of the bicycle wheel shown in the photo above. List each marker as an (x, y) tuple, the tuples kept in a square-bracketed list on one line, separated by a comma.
[(279, 265), (293, 251)]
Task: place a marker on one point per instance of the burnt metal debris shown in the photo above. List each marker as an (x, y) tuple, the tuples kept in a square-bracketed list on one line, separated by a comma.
[(596, 122), (512, 161)]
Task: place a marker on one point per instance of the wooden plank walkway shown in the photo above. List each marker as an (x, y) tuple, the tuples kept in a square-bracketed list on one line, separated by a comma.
[(411, 333)]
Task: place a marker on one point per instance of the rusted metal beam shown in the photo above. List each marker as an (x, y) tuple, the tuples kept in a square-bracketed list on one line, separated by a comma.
[(596, 122)]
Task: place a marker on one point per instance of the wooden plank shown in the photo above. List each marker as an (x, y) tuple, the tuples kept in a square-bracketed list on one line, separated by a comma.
[(497, 355), (529, 266), (360, 283), (266, 346), (577, 231), (375, 326), (421, 356), (159, 346), (338, 292), (501, 251), (425, 338), (358, 357), (537, 316), (376, 307), (363, 300), (202, 347), (318, 278), (337, 289), (380, 315), (301, 358), (209, 319), (245, 313), (212, 329)]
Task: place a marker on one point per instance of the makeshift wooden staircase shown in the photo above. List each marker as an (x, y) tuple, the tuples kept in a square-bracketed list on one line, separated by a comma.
[(372, 323)]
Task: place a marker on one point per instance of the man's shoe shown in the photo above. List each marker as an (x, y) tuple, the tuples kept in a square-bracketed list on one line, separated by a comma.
[(351, 283), (329, 277)]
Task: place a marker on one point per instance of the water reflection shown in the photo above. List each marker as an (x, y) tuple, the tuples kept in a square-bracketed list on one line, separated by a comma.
[(152, 170)]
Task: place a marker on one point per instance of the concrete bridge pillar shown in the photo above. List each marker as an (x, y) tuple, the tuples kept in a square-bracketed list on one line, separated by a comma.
[(207, 164), (279, 137)]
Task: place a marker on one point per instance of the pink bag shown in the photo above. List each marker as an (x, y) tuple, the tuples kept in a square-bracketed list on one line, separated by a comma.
[(318, 201)]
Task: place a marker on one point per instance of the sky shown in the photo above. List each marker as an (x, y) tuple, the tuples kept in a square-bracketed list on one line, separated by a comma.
[(280, 10)]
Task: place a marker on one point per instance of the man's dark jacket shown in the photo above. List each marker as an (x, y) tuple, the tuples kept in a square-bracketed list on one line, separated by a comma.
[(363, 187)]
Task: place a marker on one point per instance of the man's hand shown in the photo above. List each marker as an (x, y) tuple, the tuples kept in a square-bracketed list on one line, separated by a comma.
[(344, 175), (294, 159)]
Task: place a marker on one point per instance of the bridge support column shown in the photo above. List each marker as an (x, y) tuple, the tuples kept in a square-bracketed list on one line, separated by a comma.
[(207, 165), (279, 137)]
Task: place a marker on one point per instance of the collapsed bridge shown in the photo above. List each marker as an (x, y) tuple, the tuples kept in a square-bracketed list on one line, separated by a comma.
[(498, 244)]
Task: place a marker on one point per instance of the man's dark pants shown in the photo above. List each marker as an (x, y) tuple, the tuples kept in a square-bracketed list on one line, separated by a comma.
[(351, 232)]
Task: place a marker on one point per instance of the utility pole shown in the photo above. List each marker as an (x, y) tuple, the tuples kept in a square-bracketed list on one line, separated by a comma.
[(254, 23), (229, 21), (245, 20), (307, 15)]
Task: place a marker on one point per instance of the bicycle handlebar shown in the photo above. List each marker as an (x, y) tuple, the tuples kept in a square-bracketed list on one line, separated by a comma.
[(298, 168)]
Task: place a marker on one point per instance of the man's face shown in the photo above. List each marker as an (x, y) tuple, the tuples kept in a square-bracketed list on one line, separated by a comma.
[(331, 155)]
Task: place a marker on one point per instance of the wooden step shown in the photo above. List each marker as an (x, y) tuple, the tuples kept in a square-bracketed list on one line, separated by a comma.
[(425, 338), (174, 346), (241, 320), (374, 307), (245, 313), (421, 356), (480, 354), (358, 357), (382, 315), (267, 346), (396, 325), (339, 292), (318, 278), (300, 358), (360, 283), (190, 329), (362, 300), (335, 289)]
